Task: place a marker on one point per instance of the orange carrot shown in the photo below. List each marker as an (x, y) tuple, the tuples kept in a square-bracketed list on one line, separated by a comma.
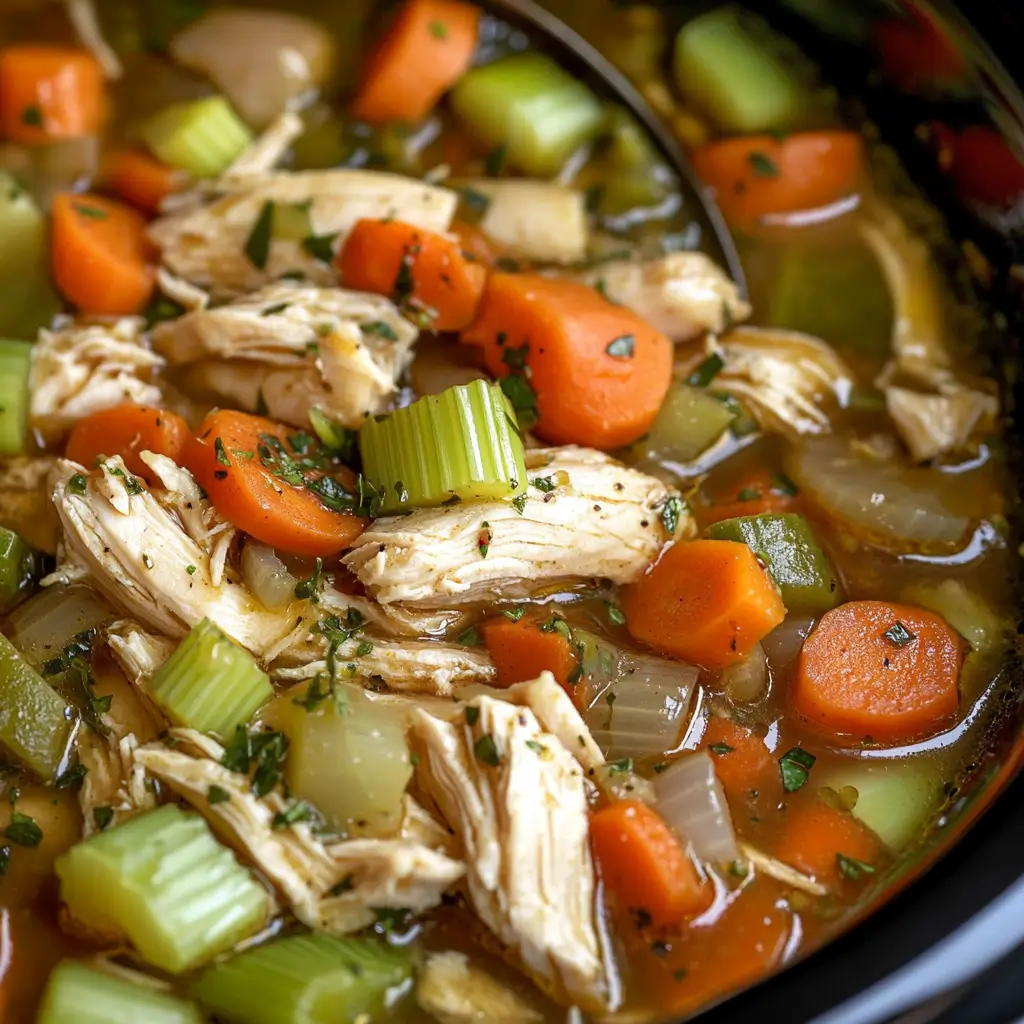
[(743, 764), (49, 92), (706, 601), (100, 255), (522, 650), (474, 243), (242, 461), (428, 48), (140, 179), (127, 430), (817, 838), (882, 670), (644, 865), (597, 372), (756, 176), (418, 269), (759, 493)]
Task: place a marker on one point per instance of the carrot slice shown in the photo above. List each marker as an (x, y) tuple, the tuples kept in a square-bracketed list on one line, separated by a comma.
[(49, 92), (707, 601), (127, 430), (247, 465), (887, 671), (644, 865), (759, 493), (756, 176), (599, 373), (743, 764), (817, 838), (428, 48), (141, 179), (419, 269), (100, 255), (522, 650)]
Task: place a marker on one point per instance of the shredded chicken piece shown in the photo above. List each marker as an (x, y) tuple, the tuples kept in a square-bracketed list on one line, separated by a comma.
[(329, 888), (338, 350), (683, 294), (933, 424), (82, 14), (113, 778), (139, 654), (597, 519), (83, 368), (517, 800), (420, 826), (206, 244), (781, 872), (789, 381), (454, 991), (180, 291)]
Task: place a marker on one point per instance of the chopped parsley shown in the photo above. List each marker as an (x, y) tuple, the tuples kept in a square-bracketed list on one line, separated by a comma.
[(71, 776), (279, 307), (470, 637), (672, 511), (131, 483), (191, 569), (313, 696), (364, 648), (221, 455), (32, 116), (76, 661), (616, 616), (851, 868), (523, 398), (898, 635), (102, 816), (763, 166), (544, 483), (781, 484), (297, 812), (538, 748), (622, 347), (486, 752), (472, 715), (217, 795), (162, 309), (23, 830), (515, 614), (438, 29), (707, 371), (380, 328), (620, 767), (309, 590), (320, 247), (721, 749), (257, 246), (515, 357), (76, 485), (519, 503), (795, 766)]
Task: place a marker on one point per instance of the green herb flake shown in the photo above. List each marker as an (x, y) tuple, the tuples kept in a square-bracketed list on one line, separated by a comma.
[(380, 328), (32, 116), (102, 816), (516, 358), (523, 398), (71, 776), (347, 884), (472, 715), (519, 503), (279, 307), (483, 539), (257, 247), (544, 483), (538, 748), (749, 494), (486, 752), (622, 347), (739, 869), (297, 812), (671, 514), (217, 795), (221, 455), (515, 614), (309, 590), (795, 766), (721, 749), (898, 635), (320, 247), (92, 212), (76, 485), (707, 371), (851, 868), (391, 919), (620, 767), (470, 638), (191, 569), (781, 484), (438, 29), (763, 166), (364, 648), (616, 616)]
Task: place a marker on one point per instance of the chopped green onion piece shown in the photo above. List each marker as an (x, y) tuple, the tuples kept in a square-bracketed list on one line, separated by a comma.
[(210, 683), (15, 360), (161, 880), (81, 994), (459, 444), (35, 723), (203, 137), (689, 422), (725, 70), (526, 102), (305, 979), (17, 569)]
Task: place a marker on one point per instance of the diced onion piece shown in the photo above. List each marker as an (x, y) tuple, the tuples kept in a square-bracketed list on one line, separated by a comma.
[(636, 704), (43, 625), (15, 361), (263, 60), (266, 576), (210, 683), (783, 643), (87, 996), (162, 881), (34, 722), (203, 137), (306, 978), (885, 500), (692, 801), (747, 680), (460, 444), (537, 110), (349, 758)]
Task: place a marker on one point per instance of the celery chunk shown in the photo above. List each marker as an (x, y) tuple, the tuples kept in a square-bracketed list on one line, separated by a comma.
[(161, 880), (305, 979), (15, 361), (210, 683), (17, 569), (203, 137), (81, 994), (726, 71), (528, 104), (459, 445), (35, 723), (688, 423), (787, 547)]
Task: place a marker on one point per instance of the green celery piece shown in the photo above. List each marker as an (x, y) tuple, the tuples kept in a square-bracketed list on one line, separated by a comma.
[(35, 723), (17, 569), (965, 610), (725, 70), (810, 295), (15, 360), (462, 443), (895, 800), (210, 683), (161, 880), (305, 979), (787, 546), (203, 137), (527, 103), (84, 995), (688, 423)]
